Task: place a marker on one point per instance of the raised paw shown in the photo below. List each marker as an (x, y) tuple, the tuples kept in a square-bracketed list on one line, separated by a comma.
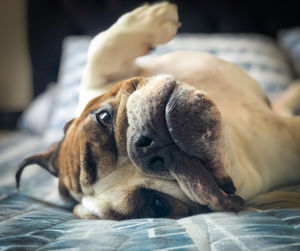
[(157, 22), (112, 53)]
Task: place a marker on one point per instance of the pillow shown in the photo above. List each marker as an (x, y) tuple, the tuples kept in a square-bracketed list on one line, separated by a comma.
[(289, 40), (73, 60), (257, 54), (35, 117)]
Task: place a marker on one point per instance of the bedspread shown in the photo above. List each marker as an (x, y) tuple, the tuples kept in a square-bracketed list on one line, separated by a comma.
[(36, 218)]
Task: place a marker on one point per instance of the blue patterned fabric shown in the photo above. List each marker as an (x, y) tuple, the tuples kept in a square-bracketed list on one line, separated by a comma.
[(289, 39), (37, 219)]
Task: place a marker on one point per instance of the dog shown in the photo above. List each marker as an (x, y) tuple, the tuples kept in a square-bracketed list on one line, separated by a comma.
[(182, 134)]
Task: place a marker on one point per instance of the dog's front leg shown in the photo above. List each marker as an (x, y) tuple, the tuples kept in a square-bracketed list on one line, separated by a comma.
[(81, 212), (90, 208), (112, 53)]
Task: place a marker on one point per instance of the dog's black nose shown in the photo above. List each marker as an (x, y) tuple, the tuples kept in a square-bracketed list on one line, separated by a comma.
[(152, 153), (143, 141), (153, 162)]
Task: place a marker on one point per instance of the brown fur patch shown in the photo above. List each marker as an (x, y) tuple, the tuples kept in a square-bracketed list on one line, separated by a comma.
[(89, 148)]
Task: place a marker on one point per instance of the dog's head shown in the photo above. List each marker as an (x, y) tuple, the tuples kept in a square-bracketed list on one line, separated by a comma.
[(150, 147)]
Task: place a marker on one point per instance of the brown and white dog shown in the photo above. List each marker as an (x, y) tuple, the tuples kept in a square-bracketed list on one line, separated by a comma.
[(202, 137)]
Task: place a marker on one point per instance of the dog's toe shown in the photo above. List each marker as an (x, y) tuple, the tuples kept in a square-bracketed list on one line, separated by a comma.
[(163, 17), (157, 22)]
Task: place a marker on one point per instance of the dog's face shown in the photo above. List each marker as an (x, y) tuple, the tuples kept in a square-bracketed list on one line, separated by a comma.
[(150, 147)]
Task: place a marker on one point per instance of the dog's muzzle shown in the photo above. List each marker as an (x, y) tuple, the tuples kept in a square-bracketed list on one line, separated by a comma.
[(175, 133)]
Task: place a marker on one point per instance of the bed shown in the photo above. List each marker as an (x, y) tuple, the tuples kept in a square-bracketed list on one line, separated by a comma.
[(35, 218)]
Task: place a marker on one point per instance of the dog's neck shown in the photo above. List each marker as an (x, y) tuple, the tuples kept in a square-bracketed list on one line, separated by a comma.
[(254, 172), (231, 162), (294, 128)]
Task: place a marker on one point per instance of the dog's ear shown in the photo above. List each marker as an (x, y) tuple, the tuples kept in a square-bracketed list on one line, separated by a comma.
[(67, 125), (48, 160)]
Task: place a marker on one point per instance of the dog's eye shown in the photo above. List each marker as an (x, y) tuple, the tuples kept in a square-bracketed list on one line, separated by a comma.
[(159, 207), (104, 118)]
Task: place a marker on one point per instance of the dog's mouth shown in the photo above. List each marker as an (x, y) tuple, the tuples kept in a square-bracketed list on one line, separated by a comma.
[(175, 132)]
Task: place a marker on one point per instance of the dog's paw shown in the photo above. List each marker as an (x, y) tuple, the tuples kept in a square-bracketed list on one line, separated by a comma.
[(157, 22), (81, 212), (112, 52)]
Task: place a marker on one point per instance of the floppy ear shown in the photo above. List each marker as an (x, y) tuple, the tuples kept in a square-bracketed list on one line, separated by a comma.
[(47, 160), (200, 186), (67, 125)]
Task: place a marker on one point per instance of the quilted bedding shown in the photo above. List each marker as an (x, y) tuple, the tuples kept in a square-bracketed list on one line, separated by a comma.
[(35, 218)]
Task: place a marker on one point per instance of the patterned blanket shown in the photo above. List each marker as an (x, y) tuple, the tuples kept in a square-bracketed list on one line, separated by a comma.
[(36, 218)]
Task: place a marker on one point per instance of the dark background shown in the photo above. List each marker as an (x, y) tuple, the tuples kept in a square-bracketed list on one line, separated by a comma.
[(51, 20)]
